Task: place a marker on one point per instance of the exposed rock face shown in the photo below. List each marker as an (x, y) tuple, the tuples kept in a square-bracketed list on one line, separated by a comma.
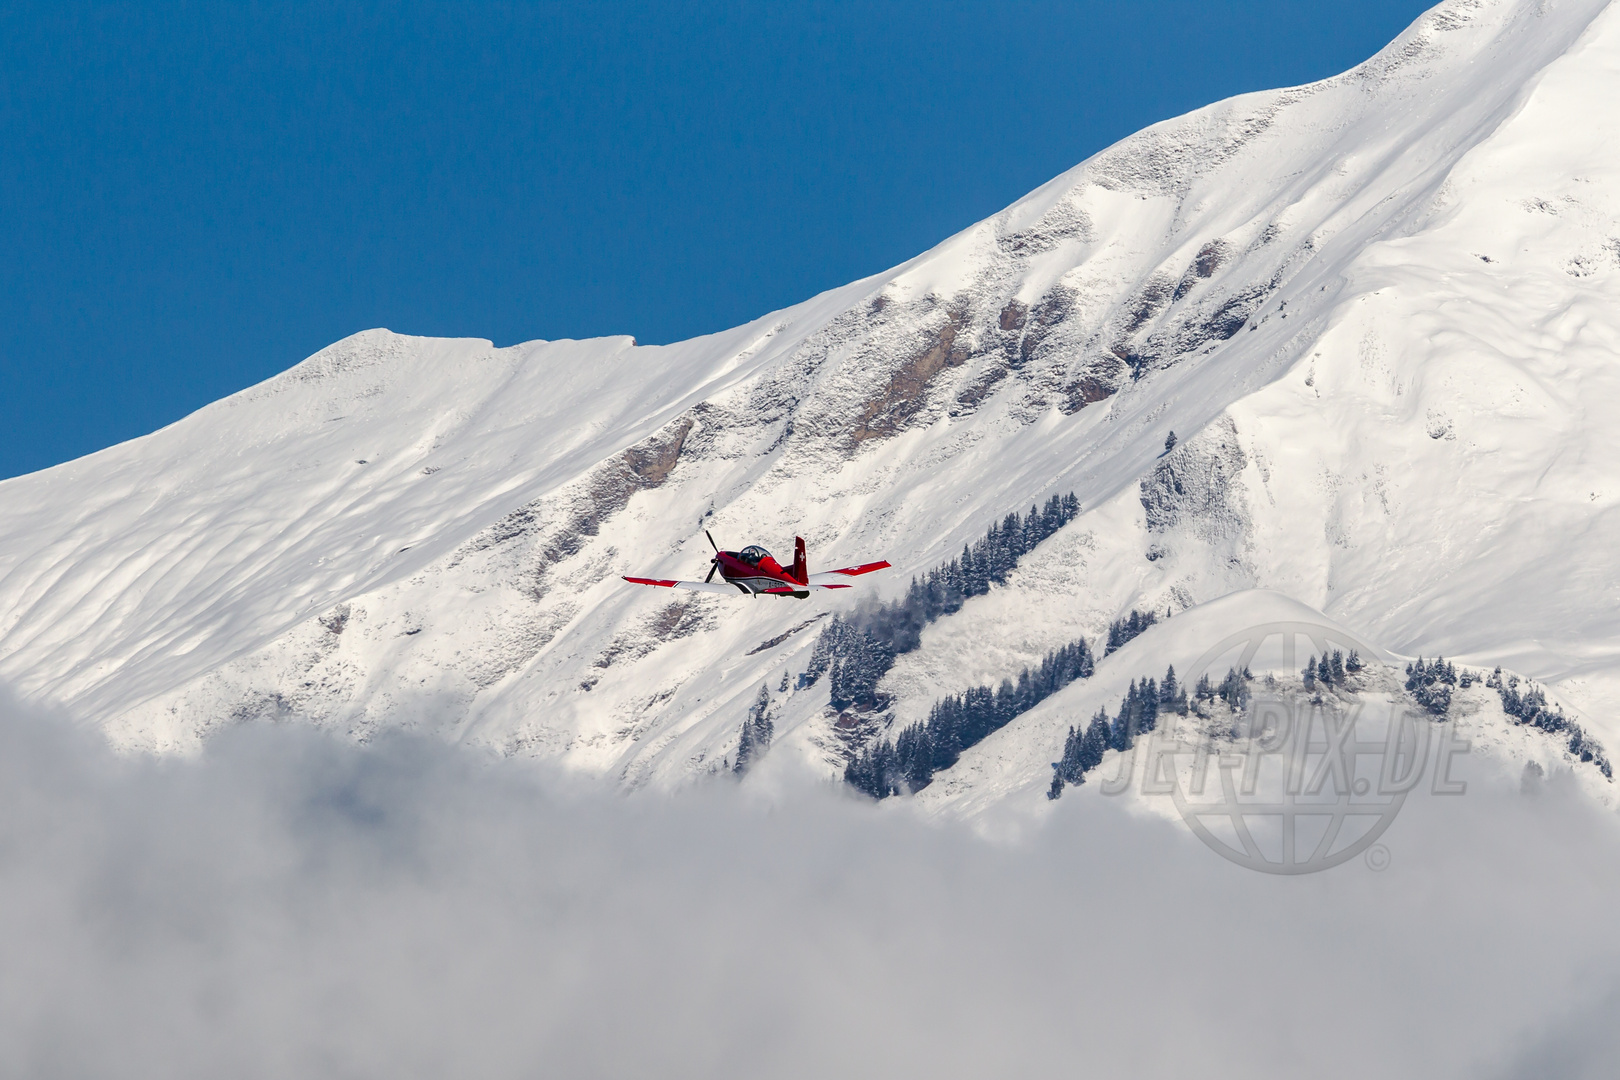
[(902, 397), (1196, 485)]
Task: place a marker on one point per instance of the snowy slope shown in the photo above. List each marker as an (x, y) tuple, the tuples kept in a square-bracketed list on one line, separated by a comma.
[(1382, 312), (1003, 782)]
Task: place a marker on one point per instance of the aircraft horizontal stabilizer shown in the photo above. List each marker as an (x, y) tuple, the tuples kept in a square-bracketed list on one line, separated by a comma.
[(848, 571)]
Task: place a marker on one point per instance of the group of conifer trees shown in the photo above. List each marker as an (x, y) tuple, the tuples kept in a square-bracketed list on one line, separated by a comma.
[(856, 661), (1430, 683), (1122, 630), (909, 762), (1233, 690), (857, 650), (1530, 708), (1139, 712), (1331, 669)]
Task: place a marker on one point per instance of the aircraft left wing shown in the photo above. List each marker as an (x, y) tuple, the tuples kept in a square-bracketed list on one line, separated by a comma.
[(847, 572), (695, 586)]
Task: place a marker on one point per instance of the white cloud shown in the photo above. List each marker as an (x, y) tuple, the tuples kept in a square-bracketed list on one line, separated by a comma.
[(291, 905)]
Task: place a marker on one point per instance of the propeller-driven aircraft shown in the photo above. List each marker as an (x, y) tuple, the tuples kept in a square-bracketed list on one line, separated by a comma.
[(753, 571)]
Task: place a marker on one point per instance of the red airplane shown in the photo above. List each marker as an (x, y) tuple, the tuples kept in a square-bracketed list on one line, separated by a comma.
[(753, 571)]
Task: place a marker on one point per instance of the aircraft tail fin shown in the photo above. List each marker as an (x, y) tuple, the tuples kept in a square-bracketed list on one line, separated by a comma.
[(801, 565)]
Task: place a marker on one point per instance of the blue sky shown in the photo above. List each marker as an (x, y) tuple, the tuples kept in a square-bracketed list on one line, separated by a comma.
[(195, 196)]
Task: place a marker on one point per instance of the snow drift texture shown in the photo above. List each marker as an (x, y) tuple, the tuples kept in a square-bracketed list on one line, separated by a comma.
[(1381, 312)]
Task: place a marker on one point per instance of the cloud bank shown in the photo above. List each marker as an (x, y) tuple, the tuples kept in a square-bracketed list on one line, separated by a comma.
[(291, 905)]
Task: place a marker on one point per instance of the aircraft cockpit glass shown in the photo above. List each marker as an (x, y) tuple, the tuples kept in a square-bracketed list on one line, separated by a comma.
[(752, 554)]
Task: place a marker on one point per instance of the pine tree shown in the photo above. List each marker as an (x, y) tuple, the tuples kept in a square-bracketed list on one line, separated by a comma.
[(1172, 695), (914, 758), (1066, 770), (756, 732), (1122, 733), (1095, 743), (839, 700), (1169, 690), (1234, 691)]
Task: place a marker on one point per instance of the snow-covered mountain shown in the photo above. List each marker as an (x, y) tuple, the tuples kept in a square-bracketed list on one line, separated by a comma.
[(1381, 313)]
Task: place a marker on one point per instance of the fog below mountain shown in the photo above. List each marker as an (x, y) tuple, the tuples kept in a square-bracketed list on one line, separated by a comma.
[(293, 905)]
